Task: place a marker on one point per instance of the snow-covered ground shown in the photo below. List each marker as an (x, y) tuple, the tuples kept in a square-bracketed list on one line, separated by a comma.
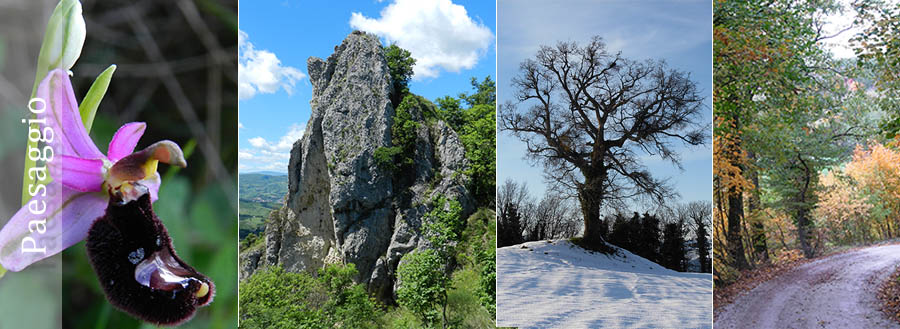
[(559, 285)]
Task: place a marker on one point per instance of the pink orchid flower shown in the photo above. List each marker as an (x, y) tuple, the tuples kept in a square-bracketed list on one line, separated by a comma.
[(88, 178)]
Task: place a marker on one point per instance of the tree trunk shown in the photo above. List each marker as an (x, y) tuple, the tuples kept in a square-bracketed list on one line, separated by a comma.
[(803, 212), (803, 232), (735, 215), (444, 316), (758, 230), (589, 198), (735, 195)]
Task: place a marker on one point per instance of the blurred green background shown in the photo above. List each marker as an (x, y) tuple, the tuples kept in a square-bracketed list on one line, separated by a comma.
[(177, 71)]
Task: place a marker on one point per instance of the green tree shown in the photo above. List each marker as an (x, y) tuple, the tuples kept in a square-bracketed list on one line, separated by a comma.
[(703, 247), (444, 224), (477, 129), (423, 285), (400, 63), (762, 52), (648, 238), (698, 213), (452, 112), (878, 49), (485, 92), (480, 141), (399, 157)]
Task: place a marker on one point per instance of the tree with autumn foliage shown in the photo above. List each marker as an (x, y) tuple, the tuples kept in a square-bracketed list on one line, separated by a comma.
[(762, 52), (878, 48), (787, 118), (876, 170)]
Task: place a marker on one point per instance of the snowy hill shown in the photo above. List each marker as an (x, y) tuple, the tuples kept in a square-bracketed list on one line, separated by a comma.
[(556, 284)]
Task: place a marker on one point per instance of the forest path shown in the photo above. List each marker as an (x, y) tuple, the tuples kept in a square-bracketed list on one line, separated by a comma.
[(837, 291)]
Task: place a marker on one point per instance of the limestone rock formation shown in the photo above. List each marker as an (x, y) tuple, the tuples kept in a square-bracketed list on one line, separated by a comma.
[(342, 207)]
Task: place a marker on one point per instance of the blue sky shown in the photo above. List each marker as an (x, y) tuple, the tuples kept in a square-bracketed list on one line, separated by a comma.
[(678, 32), (277, 37)]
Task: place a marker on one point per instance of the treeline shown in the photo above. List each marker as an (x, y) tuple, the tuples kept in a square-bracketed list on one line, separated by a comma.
[(668, 238), (523, 218)]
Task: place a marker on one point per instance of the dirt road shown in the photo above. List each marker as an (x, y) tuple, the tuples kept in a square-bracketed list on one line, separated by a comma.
[(833, 292)]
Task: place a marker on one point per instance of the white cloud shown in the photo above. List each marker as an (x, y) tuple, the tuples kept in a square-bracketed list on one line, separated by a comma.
[(438, 34), (240, 125), (261, 72), (270, 155), (285, 143), (258, 142)]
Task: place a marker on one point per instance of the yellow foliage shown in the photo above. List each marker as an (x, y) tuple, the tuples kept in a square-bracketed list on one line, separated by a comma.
[(849, 196), (841, 209), (877, 168), (728, 158)]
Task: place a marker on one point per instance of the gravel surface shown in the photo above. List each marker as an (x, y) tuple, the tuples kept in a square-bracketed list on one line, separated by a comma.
[(836, 291)]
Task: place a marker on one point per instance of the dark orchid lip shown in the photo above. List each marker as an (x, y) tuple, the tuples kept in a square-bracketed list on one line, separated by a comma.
[(132, 254)]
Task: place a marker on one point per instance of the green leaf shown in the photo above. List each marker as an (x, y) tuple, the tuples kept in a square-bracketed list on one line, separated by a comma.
[(91, 101)]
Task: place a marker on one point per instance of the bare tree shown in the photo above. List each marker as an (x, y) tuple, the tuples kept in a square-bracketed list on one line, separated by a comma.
[(698, 217), (513, 193), (554, 217), (587, 116), (513, 202)]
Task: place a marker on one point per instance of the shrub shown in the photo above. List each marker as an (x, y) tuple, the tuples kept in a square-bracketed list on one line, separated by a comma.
[(476, 126), (385, 158), (423, 285), (400, 64), (399, 157), (444, 226), (250, 240), (275, 298), (487, 285)]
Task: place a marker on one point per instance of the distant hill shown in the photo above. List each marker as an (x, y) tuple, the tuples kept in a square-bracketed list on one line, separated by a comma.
[(260, 193), (267, 173)]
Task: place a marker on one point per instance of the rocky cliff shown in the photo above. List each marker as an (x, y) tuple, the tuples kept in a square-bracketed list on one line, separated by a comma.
[(341, 206)]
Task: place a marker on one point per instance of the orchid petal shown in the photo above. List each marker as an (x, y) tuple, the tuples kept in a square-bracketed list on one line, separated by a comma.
[(142, 164), (152, 183), (125, 139), (67, 222), (64, 118), (167, 152), (84, 175)]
